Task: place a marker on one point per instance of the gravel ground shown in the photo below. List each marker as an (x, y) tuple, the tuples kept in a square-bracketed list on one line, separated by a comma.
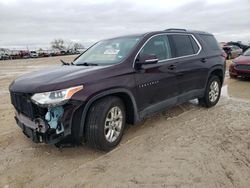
[(187, 146)]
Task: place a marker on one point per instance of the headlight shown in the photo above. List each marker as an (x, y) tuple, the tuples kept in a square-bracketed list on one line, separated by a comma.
[(54, 98)]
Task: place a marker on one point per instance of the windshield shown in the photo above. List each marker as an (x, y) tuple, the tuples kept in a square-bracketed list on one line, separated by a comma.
[(247, 53), (108, 52)]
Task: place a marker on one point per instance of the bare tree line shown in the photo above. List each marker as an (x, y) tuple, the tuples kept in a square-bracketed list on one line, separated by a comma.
[(60, 44)]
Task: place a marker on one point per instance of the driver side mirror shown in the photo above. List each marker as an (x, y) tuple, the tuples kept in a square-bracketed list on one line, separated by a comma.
[(146, 59)]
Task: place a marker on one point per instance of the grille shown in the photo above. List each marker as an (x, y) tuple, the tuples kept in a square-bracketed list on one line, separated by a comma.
[(243, 67), (23, 104)]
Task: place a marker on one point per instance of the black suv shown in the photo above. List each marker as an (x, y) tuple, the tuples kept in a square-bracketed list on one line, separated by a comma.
[(118, 81)]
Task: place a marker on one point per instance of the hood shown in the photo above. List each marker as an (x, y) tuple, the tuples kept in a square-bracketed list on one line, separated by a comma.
[(245, 60), (53, 78)]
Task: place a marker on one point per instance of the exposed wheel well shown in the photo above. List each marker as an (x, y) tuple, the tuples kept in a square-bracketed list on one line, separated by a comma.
[(219, 73)]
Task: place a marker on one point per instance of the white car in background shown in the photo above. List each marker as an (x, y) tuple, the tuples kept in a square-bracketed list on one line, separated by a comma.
[(33, 54), (4, 56)]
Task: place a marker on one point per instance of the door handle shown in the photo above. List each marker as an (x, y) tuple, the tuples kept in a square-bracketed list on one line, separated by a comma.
[(203, 60), (171, 67)]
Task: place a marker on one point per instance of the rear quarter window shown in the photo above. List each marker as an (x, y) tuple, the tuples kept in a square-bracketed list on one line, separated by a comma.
[(195, 45), (210, 41)]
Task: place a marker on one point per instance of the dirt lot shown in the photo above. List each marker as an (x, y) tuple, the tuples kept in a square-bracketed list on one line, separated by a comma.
[(187, 146)]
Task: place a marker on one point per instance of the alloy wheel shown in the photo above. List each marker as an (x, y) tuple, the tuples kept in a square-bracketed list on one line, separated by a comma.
[(113, 124), (214, 91)]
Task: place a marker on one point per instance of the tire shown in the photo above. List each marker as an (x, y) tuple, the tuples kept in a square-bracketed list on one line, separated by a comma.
[(208, 101), (99, 127)]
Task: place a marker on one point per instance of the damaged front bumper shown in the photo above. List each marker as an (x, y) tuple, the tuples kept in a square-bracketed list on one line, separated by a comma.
[(36, 130), (49, 128)]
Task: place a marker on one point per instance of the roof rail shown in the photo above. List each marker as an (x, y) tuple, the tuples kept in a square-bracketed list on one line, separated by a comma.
[(175, 29)]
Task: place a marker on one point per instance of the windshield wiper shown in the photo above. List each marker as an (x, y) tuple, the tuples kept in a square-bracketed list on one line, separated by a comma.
[(86, 64), (65, 63)]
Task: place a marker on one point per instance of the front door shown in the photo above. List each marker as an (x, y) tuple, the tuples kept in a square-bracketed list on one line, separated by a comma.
[(156, 83)]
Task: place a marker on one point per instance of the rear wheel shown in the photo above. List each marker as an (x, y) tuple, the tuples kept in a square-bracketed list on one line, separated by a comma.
[(105, 123), (212, 92)]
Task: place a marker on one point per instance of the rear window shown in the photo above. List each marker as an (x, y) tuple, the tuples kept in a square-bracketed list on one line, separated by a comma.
[(184, 45), (210, 41)]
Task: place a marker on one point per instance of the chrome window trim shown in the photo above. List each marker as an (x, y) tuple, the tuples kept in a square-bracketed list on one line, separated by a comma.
[(197, 42), (151, 60)]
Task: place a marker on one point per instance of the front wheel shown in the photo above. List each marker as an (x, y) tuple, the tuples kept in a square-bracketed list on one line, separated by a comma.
[(212, 92), (105, 123)]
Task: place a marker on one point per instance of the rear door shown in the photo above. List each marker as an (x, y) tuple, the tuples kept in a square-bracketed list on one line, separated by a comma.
[(156, 83), (191, 69)]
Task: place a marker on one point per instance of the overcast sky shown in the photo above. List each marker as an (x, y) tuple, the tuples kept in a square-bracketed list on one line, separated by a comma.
[(35, 23)]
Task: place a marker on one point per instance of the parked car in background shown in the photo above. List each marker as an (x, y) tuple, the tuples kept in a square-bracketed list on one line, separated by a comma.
[(54, 52), (240, 45), (232, 51), (15, 54), (33, 54), (63, 52), (4, 56), (118, 81), (43, 53), (24, 54), (240, 66)]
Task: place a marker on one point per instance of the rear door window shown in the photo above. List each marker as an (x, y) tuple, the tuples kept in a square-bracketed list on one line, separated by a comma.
[(184, 45)]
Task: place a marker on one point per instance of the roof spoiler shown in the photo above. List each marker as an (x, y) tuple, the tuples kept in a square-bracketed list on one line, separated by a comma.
[(175, 29)]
